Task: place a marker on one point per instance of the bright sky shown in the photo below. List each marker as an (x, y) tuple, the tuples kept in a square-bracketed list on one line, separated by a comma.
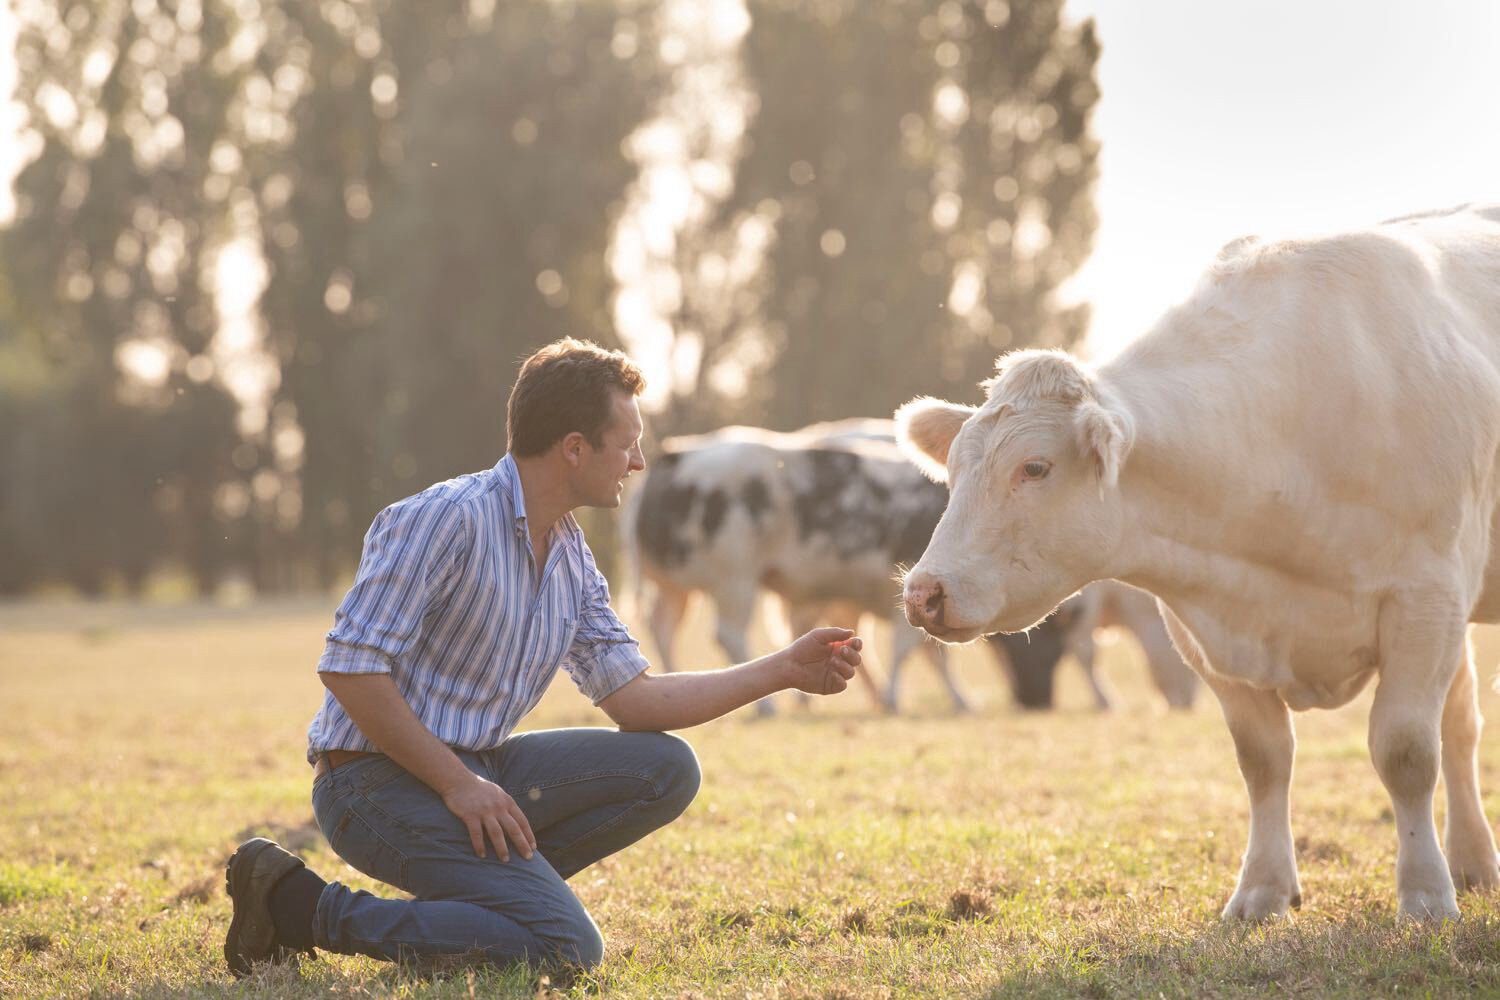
[(1221, 119)]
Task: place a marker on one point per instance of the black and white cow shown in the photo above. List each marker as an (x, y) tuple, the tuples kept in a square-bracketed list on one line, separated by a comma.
[(824, 518)]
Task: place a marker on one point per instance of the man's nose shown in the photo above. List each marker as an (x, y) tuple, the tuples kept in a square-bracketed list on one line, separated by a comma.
[(924, 599)]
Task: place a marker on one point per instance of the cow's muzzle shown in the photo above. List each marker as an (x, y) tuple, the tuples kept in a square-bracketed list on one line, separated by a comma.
[(924, 598)]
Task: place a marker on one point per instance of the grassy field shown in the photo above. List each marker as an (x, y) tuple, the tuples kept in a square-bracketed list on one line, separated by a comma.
[(831, 853)]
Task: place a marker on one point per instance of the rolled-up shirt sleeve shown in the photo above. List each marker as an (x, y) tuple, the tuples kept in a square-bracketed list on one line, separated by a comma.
[(412, 555), (604, 656)]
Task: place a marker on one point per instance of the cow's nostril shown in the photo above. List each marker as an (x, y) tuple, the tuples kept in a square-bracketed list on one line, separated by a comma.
[(934, 600)]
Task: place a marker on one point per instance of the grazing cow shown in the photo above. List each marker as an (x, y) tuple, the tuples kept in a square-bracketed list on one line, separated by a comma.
[(1300, 462)]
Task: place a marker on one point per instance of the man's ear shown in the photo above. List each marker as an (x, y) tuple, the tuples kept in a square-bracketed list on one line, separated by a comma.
[(1105, 436), (925, 428), (572, 447)]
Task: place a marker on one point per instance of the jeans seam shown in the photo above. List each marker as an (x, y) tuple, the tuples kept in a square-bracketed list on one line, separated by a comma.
[(573, 779), (608, 824), (618, 818), (384, 942)]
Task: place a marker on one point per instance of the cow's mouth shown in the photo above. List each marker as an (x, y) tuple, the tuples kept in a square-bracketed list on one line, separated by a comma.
[(951, 634)]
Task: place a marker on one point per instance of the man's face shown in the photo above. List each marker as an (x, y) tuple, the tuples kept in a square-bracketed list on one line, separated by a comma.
[(602, 471)]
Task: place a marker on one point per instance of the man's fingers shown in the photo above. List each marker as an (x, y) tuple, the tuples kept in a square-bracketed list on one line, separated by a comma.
[(526, 842), (476, 836), (513, 830), (525, 825), (831, 634), (497, 838)]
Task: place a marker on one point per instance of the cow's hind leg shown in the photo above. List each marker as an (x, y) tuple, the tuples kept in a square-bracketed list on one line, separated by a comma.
[(1469, 843), (1173, 678), (1261, 725), (1420, 642), (667, 611), (734, 606)]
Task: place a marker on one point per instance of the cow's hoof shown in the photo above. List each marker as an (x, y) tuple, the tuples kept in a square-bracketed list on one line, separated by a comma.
[(1479, 873), (1428, 907), (1261, 902)]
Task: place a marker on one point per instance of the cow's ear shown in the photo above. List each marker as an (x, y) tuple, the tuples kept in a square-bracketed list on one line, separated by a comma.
[(1105, 435), (925, 427)]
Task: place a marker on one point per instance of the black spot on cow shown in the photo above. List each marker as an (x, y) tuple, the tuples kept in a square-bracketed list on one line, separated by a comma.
[(837, 501), (666, 507), (756, 497), (715, 506), (916, 520)]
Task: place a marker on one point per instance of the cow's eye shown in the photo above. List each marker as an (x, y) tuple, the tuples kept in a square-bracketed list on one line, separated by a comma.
[(1036, 468)]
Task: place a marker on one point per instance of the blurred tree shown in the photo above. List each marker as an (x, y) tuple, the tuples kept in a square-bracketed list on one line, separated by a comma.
[(440, 209), (492, 241), (920, 178), (120, 417), (421, 194), (322, 137)]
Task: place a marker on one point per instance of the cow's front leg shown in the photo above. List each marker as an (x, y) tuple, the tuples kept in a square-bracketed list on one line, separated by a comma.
[(1261, 725), (1419, 647), (904, 641), (1468, 841)]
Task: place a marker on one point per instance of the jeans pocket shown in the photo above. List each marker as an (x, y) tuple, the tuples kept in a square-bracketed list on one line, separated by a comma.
[(358, 843)]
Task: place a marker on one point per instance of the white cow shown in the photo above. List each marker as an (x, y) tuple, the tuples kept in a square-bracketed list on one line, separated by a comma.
[(1301, 463)]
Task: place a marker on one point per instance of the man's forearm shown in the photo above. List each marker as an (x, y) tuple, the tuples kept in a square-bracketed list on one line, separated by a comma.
[(387, 721), (658, 702)]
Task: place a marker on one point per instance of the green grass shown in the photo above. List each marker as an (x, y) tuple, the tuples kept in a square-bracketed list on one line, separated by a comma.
[(832, 853)]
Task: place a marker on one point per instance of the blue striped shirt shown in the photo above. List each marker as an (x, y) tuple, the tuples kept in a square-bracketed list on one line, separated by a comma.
[(447, 601)]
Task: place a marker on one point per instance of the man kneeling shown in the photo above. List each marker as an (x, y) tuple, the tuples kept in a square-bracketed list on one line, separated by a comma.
[(469, 597)]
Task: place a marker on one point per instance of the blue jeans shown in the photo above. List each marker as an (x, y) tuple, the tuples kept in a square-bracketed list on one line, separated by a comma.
[(586, 792)]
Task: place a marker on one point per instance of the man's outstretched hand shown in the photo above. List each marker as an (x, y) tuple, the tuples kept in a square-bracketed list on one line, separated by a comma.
[(823, 660)]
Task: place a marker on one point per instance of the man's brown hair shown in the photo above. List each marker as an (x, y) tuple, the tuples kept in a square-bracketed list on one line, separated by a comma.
[(565, 387)]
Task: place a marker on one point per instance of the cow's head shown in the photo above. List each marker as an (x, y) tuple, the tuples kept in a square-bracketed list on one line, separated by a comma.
[(1034, 509)]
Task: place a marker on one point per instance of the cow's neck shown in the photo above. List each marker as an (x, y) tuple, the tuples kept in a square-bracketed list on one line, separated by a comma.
[(1185, 496)]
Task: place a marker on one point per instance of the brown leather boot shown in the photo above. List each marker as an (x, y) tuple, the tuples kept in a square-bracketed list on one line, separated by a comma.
[(252, 870)]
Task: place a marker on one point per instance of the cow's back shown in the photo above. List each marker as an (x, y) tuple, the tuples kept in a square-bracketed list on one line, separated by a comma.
[(1359, 373)]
